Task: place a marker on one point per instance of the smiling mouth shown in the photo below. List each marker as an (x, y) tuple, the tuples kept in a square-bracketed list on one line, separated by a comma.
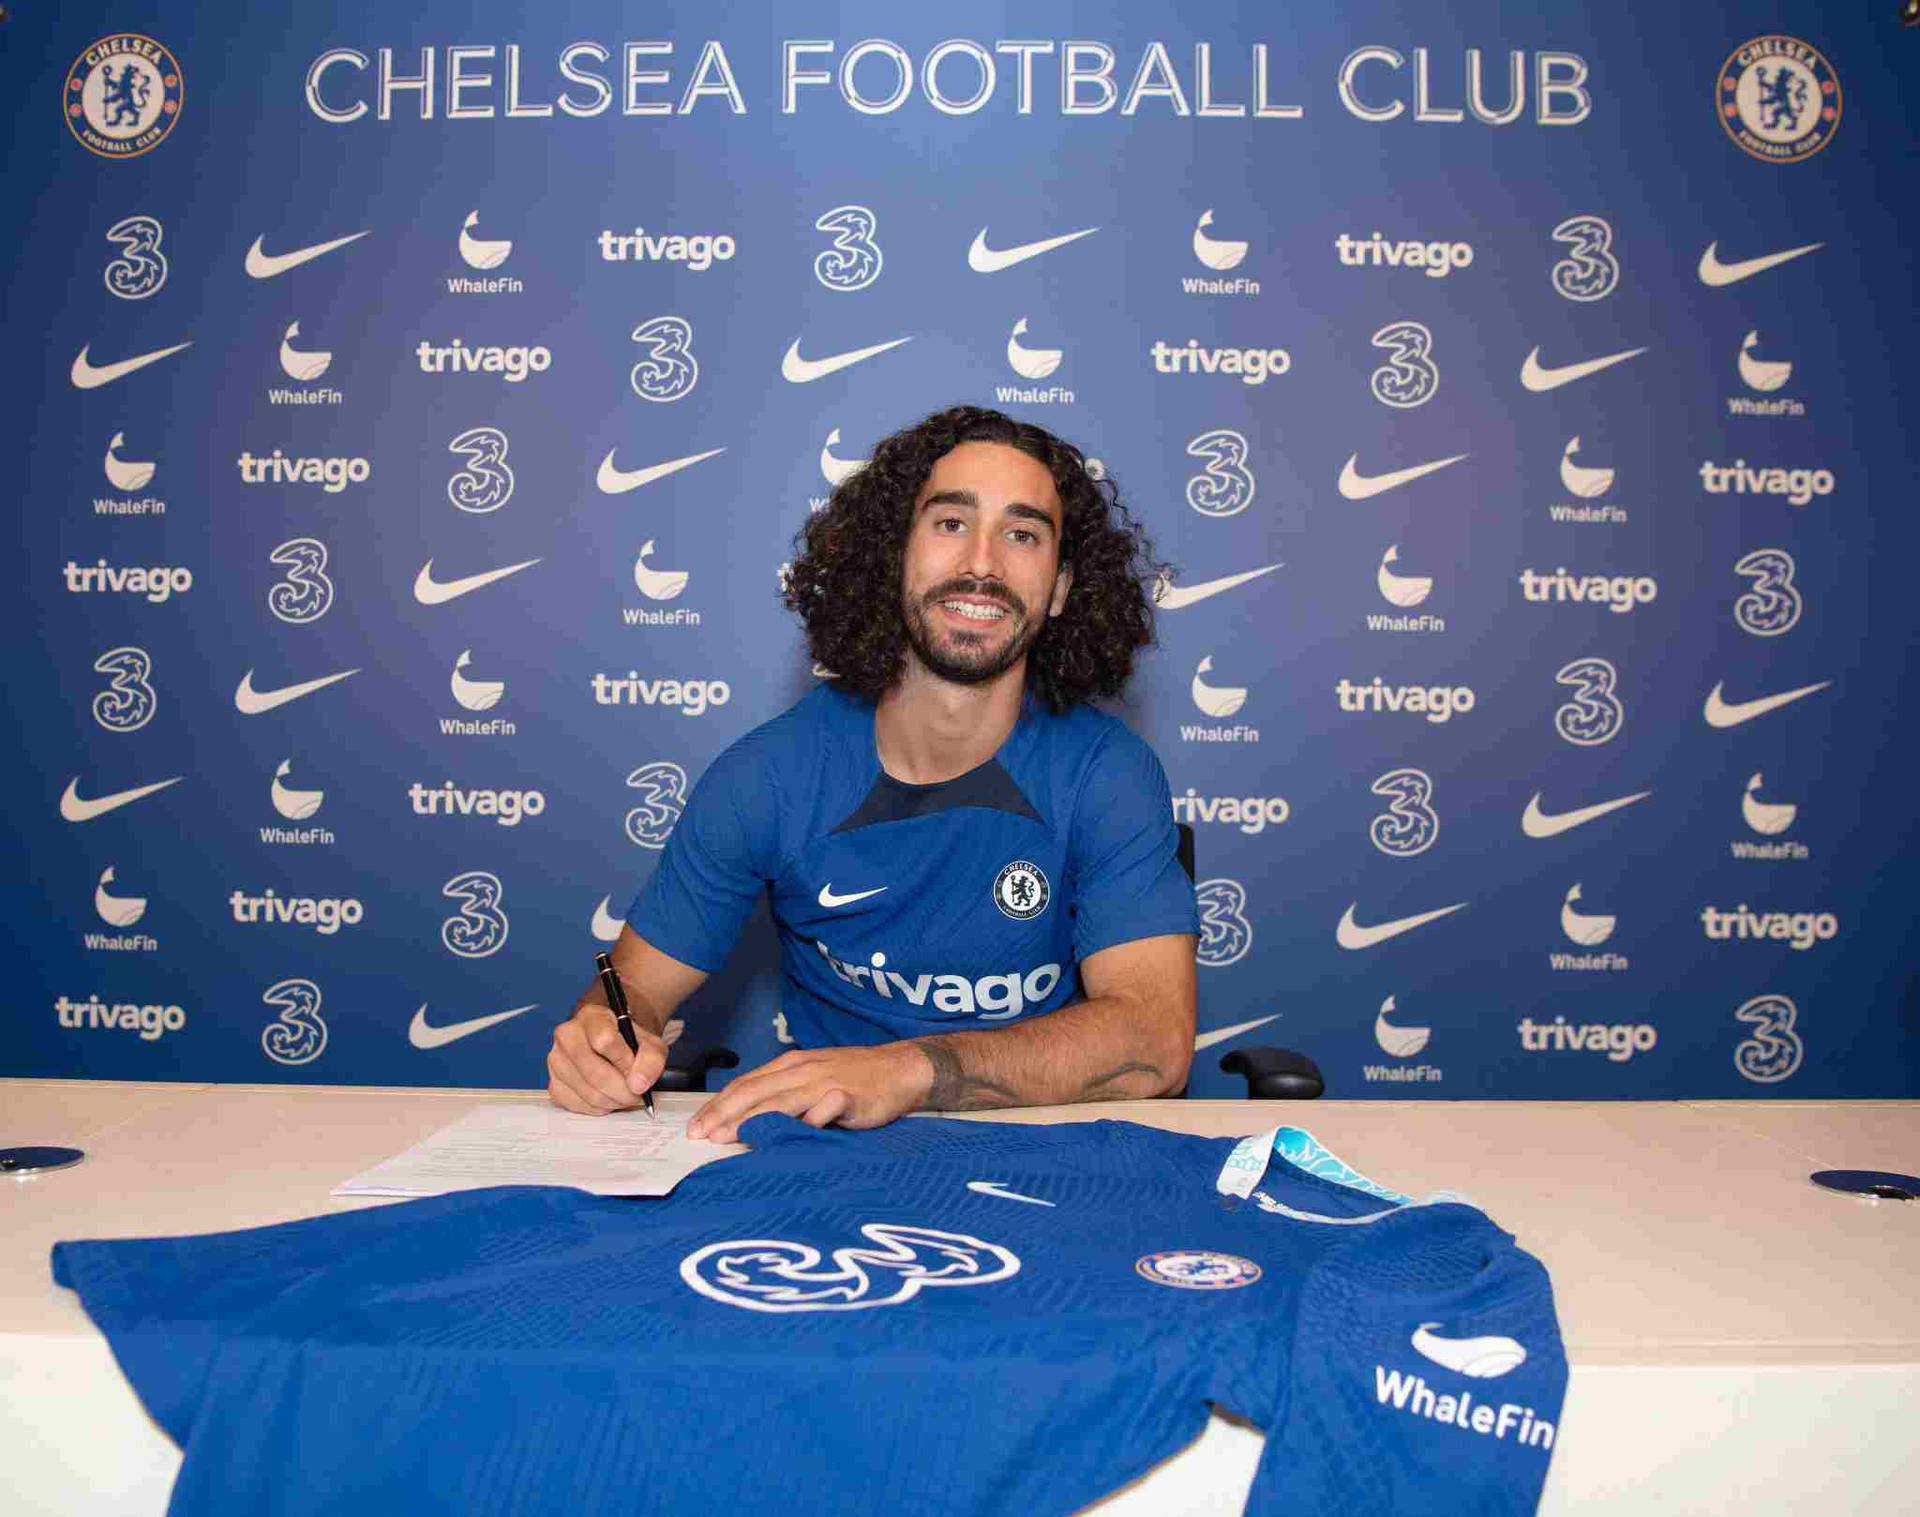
[(976, 611)]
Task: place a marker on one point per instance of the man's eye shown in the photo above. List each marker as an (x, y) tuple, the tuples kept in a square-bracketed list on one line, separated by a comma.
[(1024, 535), (947, 522)]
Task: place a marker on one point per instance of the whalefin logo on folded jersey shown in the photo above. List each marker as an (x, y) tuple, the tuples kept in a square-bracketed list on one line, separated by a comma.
[(1483, 1358), (1197, 1269), (779, 1275)]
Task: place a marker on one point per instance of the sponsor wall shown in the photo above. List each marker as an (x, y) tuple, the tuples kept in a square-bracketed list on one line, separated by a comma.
[(413, 416)]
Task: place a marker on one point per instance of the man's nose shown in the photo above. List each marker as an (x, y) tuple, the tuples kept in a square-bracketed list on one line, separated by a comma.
[(983, 556)]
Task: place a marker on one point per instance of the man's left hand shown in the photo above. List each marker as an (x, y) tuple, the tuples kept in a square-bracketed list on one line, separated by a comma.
[(856, 1087)]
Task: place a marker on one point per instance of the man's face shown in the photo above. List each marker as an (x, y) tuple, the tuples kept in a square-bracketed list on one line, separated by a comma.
[(982, 569)]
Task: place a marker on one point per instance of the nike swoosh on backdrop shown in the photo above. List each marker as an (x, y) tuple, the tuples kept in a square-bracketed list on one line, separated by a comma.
[(1351, 934), (1537, 379), (1357, 486), (1714, 272), (798, 370), (1722, 713), (984, 260), (830, 900), (431, 592), (1536, 823), (252, 702), (76, 810), (1221, 1034), (1171, 598), (86, 377), (263, 265), (998, 1189), (421, 1035), (617, 481)]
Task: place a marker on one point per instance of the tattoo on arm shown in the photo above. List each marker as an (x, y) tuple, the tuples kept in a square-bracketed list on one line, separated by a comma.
[(955, 1088), (1094, 1085)]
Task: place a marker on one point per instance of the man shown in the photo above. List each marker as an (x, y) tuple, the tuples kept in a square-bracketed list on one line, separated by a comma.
[(974, 873)]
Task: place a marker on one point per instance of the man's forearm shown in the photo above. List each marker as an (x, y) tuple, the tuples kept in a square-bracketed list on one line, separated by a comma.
[(644, 1013), (1094, 1050)]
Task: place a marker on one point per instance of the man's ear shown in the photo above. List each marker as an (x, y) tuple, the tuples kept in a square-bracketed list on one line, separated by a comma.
[(1062, 583)]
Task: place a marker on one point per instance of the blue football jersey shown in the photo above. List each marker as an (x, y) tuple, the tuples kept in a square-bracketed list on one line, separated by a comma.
[(936, 1317), (911, 909)]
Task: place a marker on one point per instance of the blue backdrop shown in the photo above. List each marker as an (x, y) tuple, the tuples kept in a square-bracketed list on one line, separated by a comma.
[(413, 414)]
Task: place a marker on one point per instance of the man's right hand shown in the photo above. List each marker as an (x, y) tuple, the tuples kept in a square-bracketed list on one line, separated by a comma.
[(591, 1070)]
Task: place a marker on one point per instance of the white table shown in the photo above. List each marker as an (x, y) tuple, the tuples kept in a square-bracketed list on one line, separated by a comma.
[(1741, 1341)]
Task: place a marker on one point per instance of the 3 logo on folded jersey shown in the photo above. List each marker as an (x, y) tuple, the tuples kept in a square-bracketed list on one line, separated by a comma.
[(778, 1275), (1197, 1269)]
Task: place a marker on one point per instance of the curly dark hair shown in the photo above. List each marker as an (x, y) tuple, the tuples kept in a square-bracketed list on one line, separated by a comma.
[(844, 582)]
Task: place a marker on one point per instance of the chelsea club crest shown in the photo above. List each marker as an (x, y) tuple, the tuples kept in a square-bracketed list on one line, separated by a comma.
[(1021, 891), (1778, 98), (122, 96)]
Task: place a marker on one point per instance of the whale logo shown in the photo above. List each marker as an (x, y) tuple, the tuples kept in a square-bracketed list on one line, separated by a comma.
[(123, 474), (294, 805), (1030, 363), (1763, 816), (1215, 700), (1401, 1042), (478, 254), (837, 469), (1761, 374), (606, 926), (657, 584), (1216, 255), (299, 365), (475, 695), (1587, 931), (117, 910), (1586, 483), (1479, 1358), (1401, 589)]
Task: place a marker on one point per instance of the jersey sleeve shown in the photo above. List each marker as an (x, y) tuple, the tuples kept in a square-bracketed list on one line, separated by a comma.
[(1128, 883), (719, 856), (1425, 1378)]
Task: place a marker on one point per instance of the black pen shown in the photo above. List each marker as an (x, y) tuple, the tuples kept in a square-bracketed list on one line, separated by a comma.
[(617, 999)]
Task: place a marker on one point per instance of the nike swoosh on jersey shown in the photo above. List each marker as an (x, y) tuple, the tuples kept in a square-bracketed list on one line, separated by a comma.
[(1171, 598), (431, 592), (998, 1189), (1536, 823), (86, 377), (1537, 378), (1350, 934), (74, 809), (798, 370), (1357, 486), (252, 702), (1723, 713), (617, 481), (1206, 1040), (421, 1035), (829, 900), (1714, 272), (984, 260), (264, 265)]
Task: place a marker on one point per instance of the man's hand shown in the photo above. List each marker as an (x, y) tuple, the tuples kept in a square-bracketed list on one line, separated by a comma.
[(590, 1069), (856, 1087)]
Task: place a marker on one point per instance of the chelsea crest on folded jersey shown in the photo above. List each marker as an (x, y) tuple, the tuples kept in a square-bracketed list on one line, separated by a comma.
[(910, 909)]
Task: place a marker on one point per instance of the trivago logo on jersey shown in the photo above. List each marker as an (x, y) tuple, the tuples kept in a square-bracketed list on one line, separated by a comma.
[(148, 1021), (991, 998), (332, 474), (1252, 814), (512, 364)]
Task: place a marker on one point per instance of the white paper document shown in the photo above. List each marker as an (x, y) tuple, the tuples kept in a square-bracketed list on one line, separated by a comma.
[(626, 1153)]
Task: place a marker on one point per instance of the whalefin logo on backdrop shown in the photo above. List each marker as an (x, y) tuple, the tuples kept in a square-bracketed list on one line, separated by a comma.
[(474, 694), (1587, 931), (1775, 1050), (1778, 99), (1031, 363), (120, 911), (127, 475), (1216, 700), (128, 702), (295, 806), (1589, 271), (303, 365), (1586, 483), (990, 998), (141, 268), (836, 471), (122, 96), (1401, 1043), (897, 1263), (1225, 487), (1766, 376), (1220, 255), (1769, 819), (483, 254), (656, 584), (606, 926), (1404, 591), (854, 261), (1225, 931)]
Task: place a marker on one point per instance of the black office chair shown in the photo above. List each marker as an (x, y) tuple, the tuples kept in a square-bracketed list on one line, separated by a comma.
[(1272, 1074)]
